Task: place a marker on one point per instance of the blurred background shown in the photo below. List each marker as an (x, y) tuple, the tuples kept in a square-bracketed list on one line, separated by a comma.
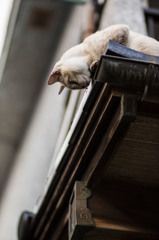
[(34, 119)]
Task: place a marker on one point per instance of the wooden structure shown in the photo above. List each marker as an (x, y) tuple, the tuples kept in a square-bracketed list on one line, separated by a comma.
[(107, 183)]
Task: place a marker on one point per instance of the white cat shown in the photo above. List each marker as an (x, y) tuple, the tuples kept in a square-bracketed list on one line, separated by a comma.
[(73, 69)]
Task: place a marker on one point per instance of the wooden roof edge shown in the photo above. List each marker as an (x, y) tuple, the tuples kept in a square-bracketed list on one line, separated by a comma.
[(139, 76), (103, 105), (76, 162)]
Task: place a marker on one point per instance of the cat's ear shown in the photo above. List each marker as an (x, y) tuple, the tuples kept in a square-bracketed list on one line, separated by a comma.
[(54, 77)]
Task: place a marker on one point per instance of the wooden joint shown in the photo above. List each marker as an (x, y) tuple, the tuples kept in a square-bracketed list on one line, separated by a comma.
[(129, 107), (80, 217)]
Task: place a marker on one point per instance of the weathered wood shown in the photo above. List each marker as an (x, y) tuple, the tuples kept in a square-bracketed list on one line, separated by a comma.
[(112, 134), (62, 192), (124, 209), (114, 150), (137, 159), (80, 217), (118, 234), (129, 74)]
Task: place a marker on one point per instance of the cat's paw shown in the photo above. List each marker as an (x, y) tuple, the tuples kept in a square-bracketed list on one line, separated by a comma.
[(93, 67)]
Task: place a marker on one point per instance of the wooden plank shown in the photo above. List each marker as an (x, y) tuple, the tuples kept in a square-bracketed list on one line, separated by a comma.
[(121, 210), (137, 159), (62, 192), (110, 139), (96, 150), (98, 120), (117, 234)]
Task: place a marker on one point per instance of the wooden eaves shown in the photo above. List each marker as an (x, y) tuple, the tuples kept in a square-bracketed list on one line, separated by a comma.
[(106, 184)]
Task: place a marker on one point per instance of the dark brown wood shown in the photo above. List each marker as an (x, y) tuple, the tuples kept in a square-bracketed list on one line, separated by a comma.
[(109, 233), (112, 148), (80, 217), (125, 210), (115, 152), (138, 156), (152, 19), (71, 172)]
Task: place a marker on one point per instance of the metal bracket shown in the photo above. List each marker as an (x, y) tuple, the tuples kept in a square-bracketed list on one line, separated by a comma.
[(80, 217)]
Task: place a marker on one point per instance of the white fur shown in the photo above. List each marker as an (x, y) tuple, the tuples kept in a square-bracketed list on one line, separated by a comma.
[(74, 65)]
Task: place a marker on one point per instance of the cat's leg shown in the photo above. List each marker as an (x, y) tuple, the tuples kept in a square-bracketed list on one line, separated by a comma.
[(93, 67), (119, 34), (96, 43)]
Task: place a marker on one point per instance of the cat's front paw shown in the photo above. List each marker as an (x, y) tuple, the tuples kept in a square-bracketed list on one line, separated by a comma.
[(93, 67)]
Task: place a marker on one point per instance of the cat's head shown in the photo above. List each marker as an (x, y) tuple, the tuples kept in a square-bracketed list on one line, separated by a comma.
[(72, 73)]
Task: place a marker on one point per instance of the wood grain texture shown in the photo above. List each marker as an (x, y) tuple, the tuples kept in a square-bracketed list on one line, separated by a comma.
[(137, 158)]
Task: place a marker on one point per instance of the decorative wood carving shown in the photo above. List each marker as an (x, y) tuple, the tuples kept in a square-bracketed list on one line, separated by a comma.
[(80, 217)]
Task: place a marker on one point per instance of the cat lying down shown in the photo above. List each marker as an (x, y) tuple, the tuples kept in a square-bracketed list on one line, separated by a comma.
[(73, 70)]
